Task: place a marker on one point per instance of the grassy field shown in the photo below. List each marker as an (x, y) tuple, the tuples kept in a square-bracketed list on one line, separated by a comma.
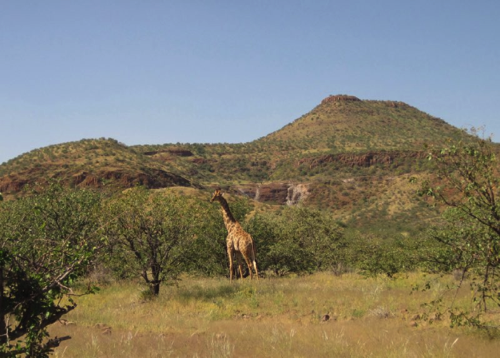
[(274, 317)]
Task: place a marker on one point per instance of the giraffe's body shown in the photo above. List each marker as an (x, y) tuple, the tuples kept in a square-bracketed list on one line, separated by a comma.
[(238, 241)]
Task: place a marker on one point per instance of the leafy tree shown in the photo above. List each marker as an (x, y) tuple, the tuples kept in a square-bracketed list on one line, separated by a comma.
[(297, 239), (375, 255), (469, 239), (47, 241), (151, 233), (207, 253)]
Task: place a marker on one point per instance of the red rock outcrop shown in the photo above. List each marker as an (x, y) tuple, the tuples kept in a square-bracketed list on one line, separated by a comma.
[(152, 179), (174, 152), (12, 183), (360, 160), (199, 160), (340, 98), (274, 193)]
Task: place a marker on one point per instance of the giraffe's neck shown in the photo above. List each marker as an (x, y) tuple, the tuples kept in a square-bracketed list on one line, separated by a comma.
[(228, 217)]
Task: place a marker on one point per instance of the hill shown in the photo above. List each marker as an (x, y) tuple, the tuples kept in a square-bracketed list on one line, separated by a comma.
[(347, 155), (345, 123), (342, 131), (89, 162)]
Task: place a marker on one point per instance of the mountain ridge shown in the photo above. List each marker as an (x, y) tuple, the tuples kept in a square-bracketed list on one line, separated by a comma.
[(347, 123), (351, 156)]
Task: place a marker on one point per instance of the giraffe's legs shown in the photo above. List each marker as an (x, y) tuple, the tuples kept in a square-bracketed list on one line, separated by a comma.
[(230, 255), (249, 264), (240, 268)]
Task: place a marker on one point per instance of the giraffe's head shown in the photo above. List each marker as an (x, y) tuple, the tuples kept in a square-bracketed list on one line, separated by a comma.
[(217, 195)]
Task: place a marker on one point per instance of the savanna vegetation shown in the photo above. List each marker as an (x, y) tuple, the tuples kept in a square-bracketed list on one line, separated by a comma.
[(159, 257), (317, 315), (48, 241), (332, 128)]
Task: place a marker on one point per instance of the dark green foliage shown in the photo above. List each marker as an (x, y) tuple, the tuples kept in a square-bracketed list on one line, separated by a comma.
[(297, 239), (150, 233), (375, 255), (47, 241), (207, 253)]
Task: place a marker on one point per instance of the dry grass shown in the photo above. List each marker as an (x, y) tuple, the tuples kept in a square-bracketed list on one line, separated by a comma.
[(278, 317)]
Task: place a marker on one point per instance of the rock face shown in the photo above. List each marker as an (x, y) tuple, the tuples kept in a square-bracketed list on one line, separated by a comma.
[(12, 184), (152, 179), (296, 193), (274, 193), (359, 160), (174, 152), (340, 98)]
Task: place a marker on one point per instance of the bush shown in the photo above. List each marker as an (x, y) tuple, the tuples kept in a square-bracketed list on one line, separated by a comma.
[(374, 255), (468, 185), (47, 241), (297, 239), (150, 234)]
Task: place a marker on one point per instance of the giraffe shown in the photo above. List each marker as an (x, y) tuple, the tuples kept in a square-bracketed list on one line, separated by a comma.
[(238, 240)]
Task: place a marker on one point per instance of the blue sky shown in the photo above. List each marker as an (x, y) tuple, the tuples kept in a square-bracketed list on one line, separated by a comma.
[(153, 72)]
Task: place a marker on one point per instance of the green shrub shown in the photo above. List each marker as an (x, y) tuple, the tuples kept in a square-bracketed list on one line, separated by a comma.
[(469, 241), (374, 255), (47, 241), (297, 239)]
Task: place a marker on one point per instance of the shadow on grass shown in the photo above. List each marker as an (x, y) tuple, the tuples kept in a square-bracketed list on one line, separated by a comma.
[(207, 293)]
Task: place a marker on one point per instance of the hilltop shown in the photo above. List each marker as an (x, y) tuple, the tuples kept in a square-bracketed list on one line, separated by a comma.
[(89, 162), (341, 130), (347, 155), (345, 123)]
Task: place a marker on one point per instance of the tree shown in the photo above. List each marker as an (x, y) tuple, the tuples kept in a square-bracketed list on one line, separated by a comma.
[(150, 234), (469, 240), (374, 255), (297, 239), (47, 240)]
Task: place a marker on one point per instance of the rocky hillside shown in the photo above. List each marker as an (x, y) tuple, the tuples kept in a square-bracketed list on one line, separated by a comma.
[(341, 134), (347, 155), (90, 163), (347, 124)]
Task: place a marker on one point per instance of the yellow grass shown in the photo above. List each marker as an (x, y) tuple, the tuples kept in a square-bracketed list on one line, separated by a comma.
[(278, 317)]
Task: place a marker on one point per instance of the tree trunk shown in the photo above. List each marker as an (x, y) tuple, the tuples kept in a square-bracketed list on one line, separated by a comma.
[(3, 327), (155, 288), (155, 282)]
